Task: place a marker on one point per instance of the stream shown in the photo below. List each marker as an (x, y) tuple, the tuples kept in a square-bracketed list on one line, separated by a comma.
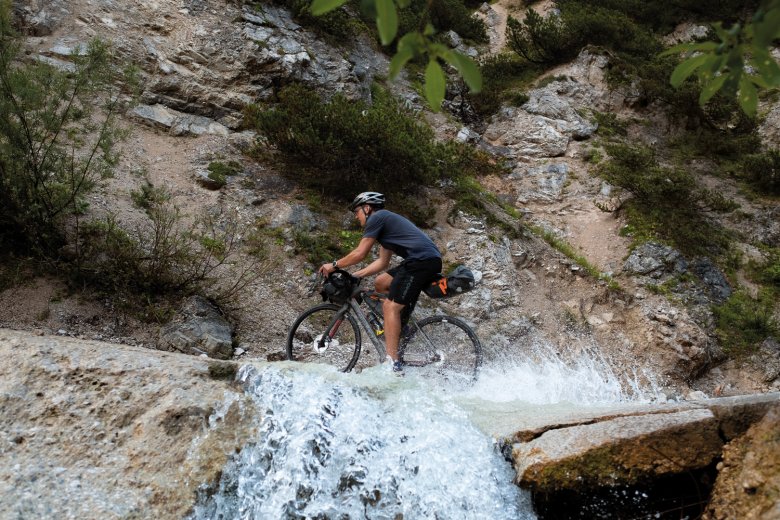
[(376, 446)]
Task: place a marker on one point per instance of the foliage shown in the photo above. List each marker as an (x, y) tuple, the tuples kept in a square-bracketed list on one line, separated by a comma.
[(413, 44), (727, 64), (665, 202), (321, 246), (761, 170), (743, 322), (445, 15), (342, 147), (503, 74), (541, 39), (663, 17), (338, 25), (558, 37), (768, 272), (163, 256), (149, 196), (57, 136)]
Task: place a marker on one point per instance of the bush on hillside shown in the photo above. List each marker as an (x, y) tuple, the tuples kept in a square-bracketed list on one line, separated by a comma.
[(665, 202), (444, 15), (663, 17), (342, 147), (742, 322), (57, 136)]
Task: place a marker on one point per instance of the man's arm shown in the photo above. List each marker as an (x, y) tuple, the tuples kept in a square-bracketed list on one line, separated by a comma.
[(352, 258), (380, 264)]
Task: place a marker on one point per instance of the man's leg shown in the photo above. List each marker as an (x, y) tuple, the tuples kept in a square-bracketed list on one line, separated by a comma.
[(392, 311)]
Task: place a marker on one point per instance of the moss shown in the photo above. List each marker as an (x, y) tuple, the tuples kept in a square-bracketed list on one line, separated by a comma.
[(743, 322), (222, 370)]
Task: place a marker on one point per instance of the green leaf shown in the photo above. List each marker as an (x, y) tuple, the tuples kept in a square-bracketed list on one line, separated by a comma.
[(386, 21), (399, 60), (467, 68), (319, 7), (686, 68), (434, 85), (690, 47), (766, 66), (767, 29), (413, 41), (711, 88), (748, 97), (403, 4)]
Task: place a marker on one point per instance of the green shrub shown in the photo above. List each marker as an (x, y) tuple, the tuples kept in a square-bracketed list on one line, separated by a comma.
[(339, 26), (502, 75), (743, 322), (444, 15), (341, 147), (761, 170), (225, 169), (662, 17), (57, 136), (542, 39), (149, 196), (665, 202), (162, 257)]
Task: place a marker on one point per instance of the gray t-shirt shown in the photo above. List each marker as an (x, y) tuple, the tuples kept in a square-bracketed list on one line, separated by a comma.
[(400, 236)]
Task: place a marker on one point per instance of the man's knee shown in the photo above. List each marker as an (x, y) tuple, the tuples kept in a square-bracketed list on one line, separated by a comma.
[(382, 282), (391, 307)]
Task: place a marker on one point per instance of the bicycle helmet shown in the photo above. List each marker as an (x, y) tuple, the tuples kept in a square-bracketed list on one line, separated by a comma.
[(368, 197)]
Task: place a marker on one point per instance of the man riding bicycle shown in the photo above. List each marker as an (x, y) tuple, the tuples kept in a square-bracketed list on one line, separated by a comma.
[(396, 235)]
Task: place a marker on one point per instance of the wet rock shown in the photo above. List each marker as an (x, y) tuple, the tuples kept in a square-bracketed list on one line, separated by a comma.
[(748, 481), (619, 451), (199, 328), (99, 430)]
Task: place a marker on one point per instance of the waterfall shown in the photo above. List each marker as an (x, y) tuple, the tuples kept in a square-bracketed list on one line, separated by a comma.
[(369, 445), (376, 446)]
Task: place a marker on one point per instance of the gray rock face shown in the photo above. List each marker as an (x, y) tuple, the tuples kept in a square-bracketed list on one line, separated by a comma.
[(554, 102), (549, 180), (527, 135), (198, 329), (712, 278), (655, 260), (99, 430), (618, 451), (631, 445)]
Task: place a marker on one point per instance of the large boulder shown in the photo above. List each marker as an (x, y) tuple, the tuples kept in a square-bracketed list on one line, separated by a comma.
[(198, 329), (99, 430), (748, 483)]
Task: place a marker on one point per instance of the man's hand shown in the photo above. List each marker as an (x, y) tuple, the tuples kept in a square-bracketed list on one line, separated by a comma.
[(326, 269)]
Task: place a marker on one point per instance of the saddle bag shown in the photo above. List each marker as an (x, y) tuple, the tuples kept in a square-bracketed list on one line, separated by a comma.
[(460, 280)]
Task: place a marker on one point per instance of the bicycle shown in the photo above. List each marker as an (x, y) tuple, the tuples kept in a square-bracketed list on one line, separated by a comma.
[(439, 345)]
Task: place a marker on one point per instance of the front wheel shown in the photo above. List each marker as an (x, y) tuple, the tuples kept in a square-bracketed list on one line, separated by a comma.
[(321, 335), (442, 347)]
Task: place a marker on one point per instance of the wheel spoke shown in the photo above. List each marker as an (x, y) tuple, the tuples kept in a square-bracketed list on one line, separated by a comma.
[(311, 340)]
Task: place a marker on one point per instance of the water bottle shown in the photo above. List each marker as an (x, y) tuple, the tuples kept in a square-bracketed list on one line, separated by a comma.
[(375, 323)]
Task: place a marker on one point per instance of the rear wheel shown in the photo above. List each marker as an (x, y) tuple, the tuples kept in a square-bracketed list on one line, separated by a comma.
[(442, 347), (310, 340)]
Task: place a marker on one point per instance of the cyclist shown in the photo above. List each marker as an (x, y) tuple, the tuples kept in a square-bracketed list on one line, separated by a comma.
[(403, 284)]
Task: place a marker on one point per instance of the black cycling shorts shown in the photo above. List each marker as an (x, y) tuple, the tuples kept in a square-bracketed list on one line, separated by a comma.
[(410, 278)]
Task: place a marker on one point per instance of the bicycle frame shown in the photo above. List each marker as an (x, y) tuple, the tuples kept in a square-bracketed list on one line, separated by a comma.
[(354, 305)]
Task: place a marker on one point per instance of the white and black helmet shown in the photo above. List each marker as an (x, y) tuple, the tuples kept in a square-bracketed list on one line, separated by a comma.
[(368, 197)]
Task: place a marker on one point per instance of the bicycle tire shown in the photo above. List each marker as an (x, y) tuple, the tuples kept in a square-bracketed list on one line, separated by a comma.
[(456, 351), (342, 351)]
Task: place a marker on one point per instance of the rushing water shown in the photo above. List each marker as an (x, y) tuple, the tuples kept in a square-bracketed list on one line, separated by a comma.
[(376, 446)]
